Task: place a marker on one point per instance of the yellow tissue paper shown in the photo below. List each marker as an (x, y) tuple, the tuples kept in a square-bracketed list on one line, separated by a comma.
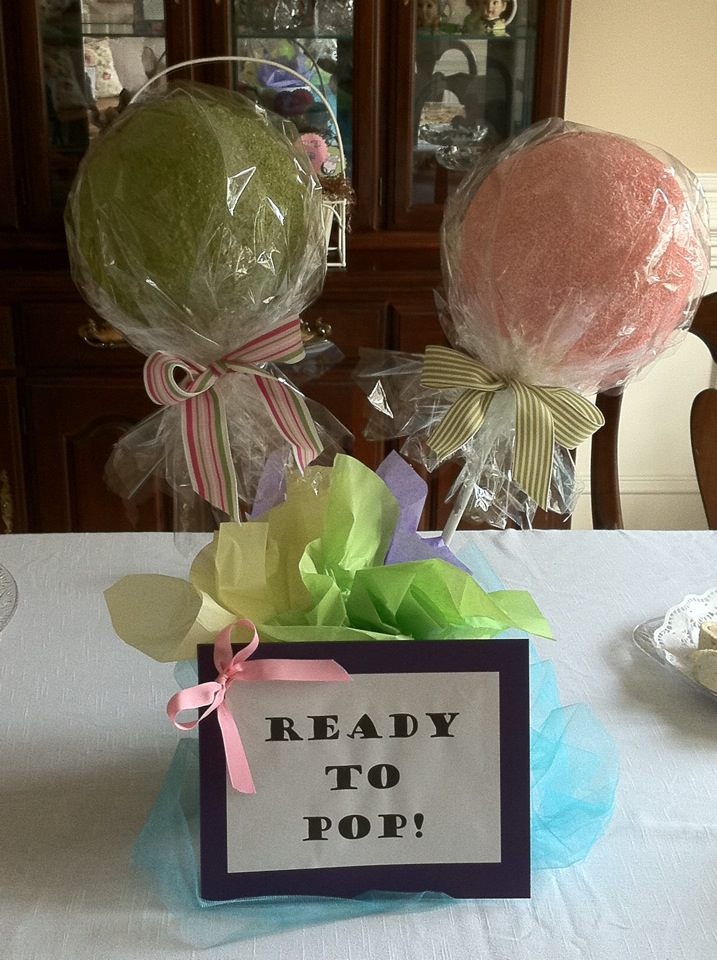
[(313, 568)]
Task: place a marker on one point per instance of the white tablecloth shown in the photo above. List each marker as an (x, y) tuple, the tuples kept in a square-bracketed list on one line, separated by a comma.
[(85, 743)]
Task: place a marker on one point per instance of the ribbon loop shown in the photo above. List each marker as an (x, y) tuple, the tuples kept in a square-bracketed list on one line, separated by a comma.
[(163, 382), (543, 415), (170, 380), (203, 695), (233, 667), (444, 368)]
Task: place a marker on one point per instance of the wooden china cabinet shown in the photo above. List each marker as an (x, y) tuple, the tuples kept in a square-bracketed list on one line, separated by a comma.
[(399, 84)]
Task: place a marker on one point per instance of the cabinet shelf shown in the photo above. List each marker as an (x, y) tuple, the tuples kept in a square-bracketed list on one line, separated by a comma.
[(519, 34), (300, 35), (144, 28)]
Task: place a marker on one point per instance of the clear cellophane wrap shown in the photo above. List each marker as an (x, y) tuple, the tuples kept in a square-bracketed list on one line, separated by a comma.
[(195, 225), (571, 258)]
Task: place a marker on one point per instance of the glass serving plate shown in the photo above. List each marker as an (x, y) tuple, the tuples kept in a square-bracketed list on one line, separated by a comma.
[(8, 597), (672, 640)]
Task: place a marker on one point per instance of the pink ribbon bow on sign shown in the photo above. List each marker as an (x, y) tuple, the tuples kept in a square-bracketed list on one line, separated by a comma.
[(204, 423), (234, 668)]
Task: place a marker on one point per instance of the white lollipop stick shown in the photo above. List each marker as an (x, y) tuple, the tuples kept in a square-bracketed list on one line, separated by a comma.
[(456, 514)]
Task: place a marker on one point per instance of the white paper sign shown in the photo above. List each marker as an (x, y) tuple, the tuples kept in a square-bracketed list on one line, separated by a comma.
[(400, 768)]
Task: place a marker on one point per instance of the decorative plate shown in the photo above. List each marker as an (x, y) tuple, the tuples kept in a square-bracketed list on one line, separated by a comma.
[(8, 597), (672, 641)]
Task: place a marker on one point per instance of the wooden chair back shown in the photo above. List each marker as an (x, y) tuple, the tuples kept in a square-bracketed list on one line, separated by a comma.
[(604, 476), (703, 416)]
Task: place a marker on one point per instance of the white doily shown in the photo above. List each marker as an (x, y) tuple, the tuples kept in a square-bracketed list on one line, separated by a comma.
[(8, 597), (673, 640)]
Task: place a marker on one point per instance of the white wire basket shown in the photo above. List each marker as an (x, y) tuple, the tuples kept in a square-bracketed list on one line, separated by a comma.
[(335, 209)]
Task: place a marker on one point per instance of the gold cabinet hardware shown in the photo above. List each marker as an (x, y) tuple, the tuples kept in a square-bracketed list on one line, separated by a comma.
[(312, 331), (99, 334)]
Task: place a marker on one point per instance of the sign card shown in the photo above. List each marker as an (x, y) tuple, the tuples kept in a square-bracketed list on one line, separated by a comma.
[(413, 776)]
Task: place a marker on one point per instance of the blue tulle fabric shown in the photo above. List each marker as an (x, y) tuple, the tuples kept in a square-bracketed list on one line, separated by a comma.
[(574, 773), (573, 759)]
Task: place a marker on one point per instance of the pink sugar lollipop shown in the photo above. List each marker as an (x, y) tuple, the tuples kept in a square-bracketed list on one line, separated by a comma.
[(573, 259)]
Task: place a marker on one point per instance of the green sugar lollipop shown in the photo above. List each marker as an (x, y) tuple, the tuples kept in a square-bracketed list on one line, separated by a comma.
[(195, 223)]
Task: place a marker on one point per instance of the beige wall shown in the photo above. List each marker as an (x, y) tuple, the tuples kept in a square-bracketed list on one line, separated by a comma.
[(648, 70), (636, 70)]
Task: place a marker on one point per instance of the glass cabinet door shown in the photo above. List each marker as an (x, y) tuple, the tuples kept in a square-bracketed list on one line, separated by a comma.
[(95, 55), (474, 85), (337, 45), (314, 39), (417, 86)]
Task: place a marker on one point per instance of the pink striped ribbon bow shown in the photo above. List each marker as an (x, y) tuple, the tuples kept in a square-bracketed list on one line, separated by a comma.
[(204, 423), (233, 668)]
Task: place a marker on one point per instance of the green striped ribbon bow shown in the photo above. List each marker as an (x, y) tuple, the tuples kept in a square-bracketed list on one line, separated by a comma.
[(542, 415)]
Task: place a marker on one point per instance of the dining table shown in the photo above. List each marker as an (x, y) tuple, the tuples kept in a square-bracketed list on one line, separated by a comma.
[(85, 744)]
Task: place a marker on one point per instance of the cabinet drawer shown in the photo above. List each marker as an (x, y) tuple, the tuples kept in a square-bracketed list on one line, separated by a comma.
[(353, 325), (52, 335), (416, 325), (52, 338)]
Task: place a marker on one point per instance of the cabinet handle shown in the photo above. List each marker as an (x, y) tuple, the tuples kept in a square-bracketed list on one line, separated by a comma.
[(6, 506), (101, 335), (314, 330)]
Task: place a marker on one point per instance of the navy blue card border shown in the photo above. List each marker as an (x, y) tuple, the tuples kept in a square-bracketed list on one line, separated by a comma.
[(508, 879)]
